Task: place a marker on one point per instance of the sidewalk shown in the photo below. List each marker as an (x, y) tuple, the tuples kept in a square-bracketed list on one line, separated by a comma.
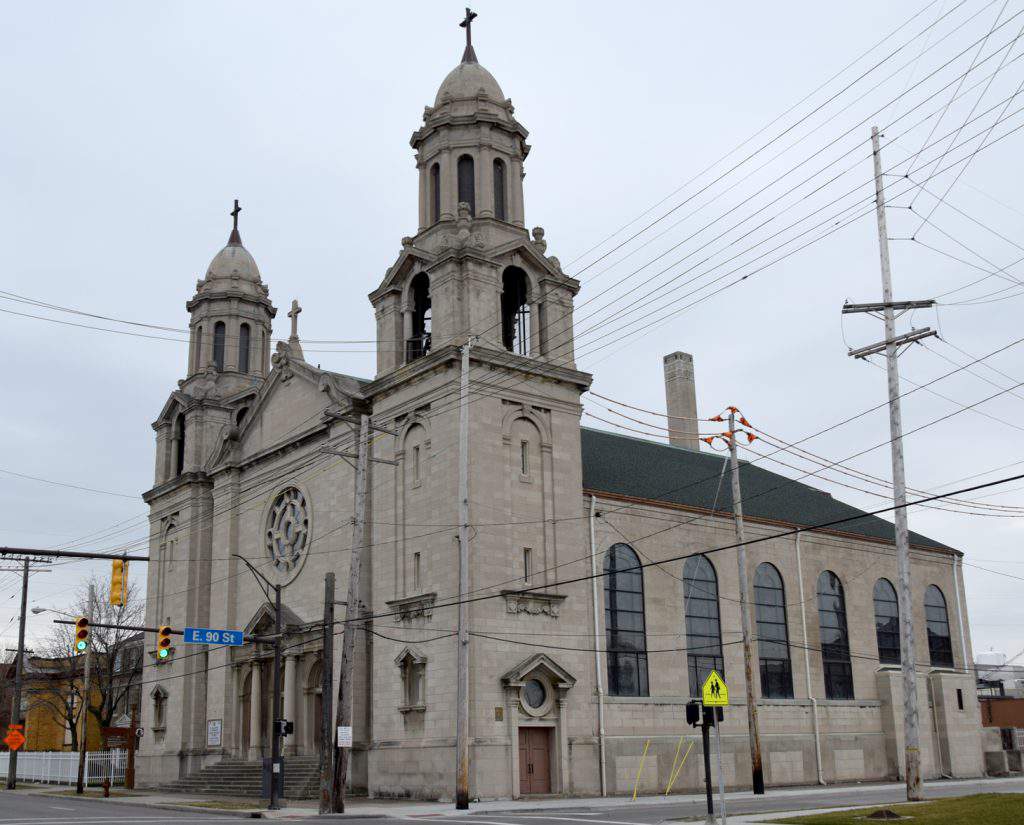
[(407, 809)]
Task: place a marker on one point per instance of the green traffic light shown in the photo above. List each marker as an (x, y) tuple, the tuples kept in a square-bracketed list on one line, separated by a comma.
[(80, 646), (163, 653)]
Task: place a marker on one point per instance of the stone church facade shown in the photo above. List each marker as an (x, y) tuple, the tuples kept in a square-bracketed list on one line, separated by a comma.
[(242, 471)]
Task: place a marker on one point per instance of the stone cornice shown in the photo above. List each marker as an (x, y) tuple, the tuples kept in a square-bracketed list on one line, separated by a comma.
[(413, 607), (534, 602), (184, 480)]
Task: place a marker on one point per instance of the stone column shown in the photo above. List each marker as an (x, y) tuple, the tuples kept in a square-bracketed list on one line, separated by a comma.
[(290, 688), (516, 207), (485, 184), (255, 712), (449, 191)]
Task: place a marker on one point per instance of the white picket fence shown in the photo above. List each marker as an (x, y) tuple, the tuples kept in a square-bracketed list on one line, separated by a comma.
[(61, 767)]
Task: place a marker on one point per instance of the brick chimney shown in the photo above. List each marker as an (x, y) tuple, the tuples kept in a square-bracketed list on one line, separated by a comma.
[(681, 400)]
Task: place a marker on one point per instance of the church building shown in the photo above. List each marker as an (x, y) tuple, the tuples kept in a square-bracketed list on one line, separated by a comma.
[(582, 653)]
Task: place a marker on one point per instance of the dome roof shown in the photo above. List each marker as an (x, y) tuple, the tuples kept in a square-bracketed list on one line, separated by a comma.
[(233, 261), (465, 81)]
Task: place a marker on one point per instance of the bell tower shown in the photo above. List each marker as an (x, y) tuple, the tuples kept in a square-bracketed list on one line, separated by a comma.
[(472, 269), (231, 315)]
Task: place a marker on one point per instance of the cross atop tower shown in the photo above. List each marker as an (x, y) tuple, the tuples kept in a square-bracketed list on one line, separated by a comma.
[(294, 315), (469, 56), (236, 238)]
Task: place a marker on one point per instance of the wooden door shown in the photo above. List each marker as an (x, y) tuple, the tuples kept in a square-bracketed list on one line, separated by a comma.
[(534, 760)]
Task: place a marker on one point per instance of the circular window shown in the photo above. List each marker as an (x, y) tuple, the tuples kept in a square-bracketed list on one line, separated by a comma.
[(535, 694), (287, 529)]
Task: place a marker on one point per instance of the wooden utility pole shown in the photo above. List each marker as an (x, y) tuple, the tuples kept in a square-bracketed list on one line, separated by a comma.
[(748, 653), (84, 711), (891, 344), (352, 610), (19, 669), (462, 692), (326, 695), (276, 762)]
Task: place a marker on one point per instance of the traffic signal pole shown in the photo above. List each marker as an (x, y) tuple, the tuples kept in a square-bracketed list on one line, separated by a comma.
[(275, 735), (84, 704), (19, 667)]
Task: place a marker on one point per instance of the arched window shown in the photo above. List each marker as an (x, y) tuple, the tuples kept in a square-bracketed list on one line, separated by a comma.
[(435, 193), (515, 311), (703, 627), (887, 622), (467, 183), (499, 189), (218, 345), (940, 646), (835, 638), (199, 349), (624, 622), (244, 336), (772, 633), (179, 444), (419, 344)]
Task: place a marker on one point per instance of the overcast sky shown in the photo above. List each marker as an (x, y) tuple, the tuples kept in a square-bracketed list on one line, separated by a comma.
[(129, 128)]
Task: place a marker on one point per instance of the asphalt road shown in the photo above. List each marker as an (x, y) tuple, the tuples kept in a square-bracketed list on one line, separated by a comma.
[(21, 809)]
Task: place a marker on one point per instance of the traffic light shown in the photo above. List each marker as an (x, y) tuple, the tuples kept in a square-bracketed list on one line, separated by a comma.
[(692, 714), (163, 643), (119, 582), (81, 634)]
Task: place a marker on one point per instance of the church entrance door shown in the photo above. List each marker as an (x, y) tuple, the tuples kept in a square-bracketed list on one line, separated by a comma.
[(534, 760)]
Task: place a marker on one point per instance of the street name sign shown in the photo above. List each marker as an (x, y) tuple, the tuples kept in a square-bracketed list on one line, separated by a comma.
[(210, 636), (715, 693)]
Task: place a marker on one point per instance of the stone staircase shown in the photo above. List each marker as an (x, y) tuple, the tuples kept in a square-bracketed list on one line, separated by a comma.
[(243, 779)]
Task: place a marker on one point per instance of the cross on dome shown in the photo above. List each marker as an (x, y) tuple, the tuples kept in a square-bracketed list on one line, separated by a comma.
[(469, 56), (236, 238)]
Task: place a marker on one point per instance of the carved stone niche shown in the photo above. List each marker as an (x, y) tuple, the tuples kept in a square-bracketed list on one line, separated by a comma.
[(413, 607), (533, 603)]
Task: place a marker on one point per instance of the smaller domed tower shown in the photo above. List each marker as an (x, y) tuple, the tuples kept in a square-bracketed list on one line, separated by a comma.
[(230, 327)]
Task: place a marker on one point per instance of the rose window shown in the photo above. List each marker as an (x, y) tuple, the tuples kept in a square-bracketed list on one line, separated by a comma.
[(287, 529)]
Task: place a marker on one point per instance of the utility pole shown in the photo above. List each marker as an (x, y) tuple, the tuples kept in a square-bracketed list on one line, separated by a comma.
[(326, 695), (19, 666), (276, 767), (462, 693), (84, 711), (891, 344), (748, 653), (348, 640)]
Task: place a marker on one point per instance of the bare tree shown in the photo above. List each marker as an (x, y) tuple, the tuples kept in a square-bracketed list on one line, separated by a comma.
[(116, 664)]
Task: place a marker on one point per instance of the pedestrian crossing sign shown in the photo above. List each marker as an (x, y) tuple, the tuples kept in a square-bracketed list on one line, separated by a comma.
[(715, 692)]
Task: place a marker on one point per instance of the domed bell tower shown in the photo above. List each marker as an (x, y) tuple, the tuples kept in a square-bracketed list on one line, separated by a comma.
[(472, 269), (231, 315)]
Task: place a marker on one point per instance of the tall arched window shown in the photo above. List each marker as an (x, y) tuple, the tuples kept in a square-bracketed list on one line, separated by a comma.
[(244, 336), (467, 183), (435, 193), (199, 349), (515, 311), (218, 345), (500, 211), (772, 633), (887, 622), (940, 646), (703, 627), (419, 294), (835, 638), (624, 622), (179, 444)]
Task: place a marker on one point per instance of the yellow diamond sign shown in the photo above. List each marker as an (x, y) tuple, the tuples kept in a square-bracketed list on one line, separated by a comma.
[(715, 692)]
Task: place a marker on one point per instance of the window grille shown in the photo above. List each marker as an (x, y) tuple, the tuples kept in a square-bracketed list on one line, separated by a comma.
[(835, 637), (624, 622), (243, 348), (467, 183), (940, 647), (703, 624), (772, 633), (887, 622)]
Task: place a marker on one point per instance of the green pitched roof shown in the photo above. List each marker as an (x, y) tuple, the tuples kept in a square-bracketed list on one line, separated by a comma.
[(627, 466)]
